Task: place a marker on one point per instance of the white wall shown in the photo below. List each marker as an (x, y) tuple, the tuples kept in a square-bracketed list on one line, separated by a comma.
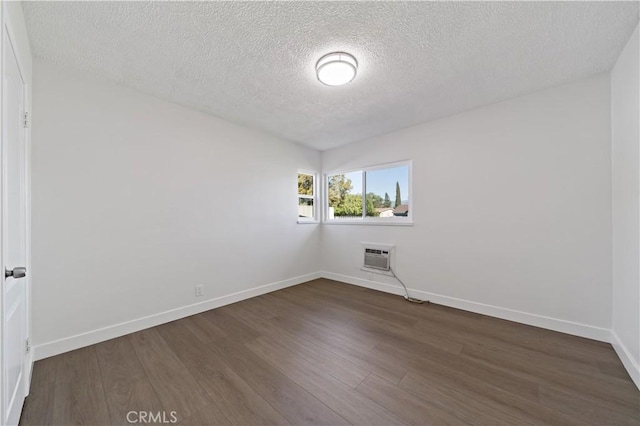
[(512, 209), (136, 200), (625, 131)]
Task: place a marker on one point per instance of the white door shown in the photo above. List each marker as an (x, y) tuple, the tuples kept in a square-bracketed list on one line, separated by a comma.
[(14, 242)]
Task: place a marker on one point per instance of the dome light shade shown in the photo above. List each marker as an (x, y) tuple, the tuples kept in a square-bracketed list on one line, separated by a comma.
[(336, 69)]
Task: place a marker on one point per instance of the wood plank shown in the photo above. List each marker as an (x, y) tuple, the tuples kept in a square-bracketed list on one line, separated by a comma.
[(356, 306), (468, 408), (79, 395), (519, 346), (119, 364), (176, 388), (397, 304), (369, 361), (324, 317), (614, 369), (134, 397), (236, 330), (210, 416), (494, 401), (585, 408), (605, 388), (458, 367), (206, 331), (342, 399), (38, 408), (260, 309), (404, 404), (584, 353), (578, 347), (340, 368), (246, 314), (379, 324), (235, 398), (292, 401)]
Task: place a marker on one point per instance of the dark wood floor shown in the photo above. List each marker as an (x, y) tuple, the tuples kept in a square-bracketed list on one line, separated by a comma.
[(331, 354)]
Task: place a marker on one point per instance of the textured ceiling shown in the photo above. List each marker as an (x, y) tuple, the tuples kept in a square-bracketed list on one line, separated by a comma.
[(253, 62)]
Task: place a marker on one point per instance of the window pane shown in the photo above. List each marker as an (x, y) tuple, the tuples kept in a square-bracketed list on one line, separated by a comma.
[(305, 208), (305, 184), (344, 193), (388, 192)]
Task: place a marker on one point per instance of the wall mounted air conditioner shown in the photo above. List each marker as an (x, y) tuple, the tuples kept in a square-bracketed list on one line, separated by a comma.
[(377, 258)]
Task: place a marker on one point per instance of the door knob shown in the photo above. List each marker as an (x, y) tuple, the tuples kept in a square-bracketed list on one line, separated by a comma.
[(15, 272)]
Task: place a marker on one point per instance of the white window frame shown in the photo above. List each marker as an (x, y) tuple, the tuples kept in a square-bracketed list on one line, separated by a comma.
[(315, 197), (395, 221)]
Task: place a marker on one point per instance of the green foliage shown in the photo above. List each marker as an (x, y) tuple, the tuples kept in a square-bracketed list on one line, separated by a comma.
[(387, 200), (375, 199), (398, 196), (305, 184), (339, 186), (371, 208), (350, 205)]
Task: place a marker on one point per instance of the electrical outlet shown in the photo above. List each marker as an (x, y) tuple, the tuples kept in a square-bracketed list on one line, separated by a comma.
[(199, 290)]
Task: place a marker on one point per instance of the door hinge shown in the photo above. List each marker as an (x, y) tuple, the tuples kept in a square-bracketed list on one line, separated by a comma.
[(27, 345), (25, 122)]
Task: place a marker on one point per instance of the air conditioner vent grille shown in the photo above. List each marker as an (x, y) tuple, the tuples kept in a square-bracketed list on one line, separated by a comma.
[(377, 259)]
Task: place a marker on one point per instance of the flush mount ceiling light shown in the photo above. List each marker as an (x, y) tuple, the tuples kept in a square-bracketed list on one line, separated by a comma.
[(336, 69)]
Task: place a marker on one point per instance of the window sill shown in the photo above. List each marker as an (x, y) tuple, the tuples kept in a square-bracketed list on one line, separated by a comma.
[(368, 222)]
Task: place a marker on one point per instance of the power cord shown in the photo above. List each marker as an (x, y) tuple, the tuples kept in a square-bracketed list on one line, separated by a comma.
[(393, 274), (406, 292)]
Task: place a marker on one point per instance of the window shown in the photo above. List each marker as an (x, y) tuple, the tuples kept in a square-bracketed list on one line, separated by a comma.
[(387, 200), (307, 197), (344, 193)]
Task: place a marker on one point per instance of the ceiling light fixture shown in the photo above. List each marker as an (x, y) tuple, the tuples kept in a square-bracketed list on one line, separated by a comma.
[(336, 69)]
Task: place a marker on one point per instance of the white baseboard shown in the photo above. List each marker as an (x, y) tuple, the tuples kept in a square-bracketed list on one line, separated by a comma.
[(67, 344), (625, 356), (577, 329)]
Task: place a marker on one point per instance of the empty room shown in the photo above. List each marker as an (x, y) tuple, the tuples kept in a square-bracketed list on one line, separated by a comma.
[(320, 213)]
